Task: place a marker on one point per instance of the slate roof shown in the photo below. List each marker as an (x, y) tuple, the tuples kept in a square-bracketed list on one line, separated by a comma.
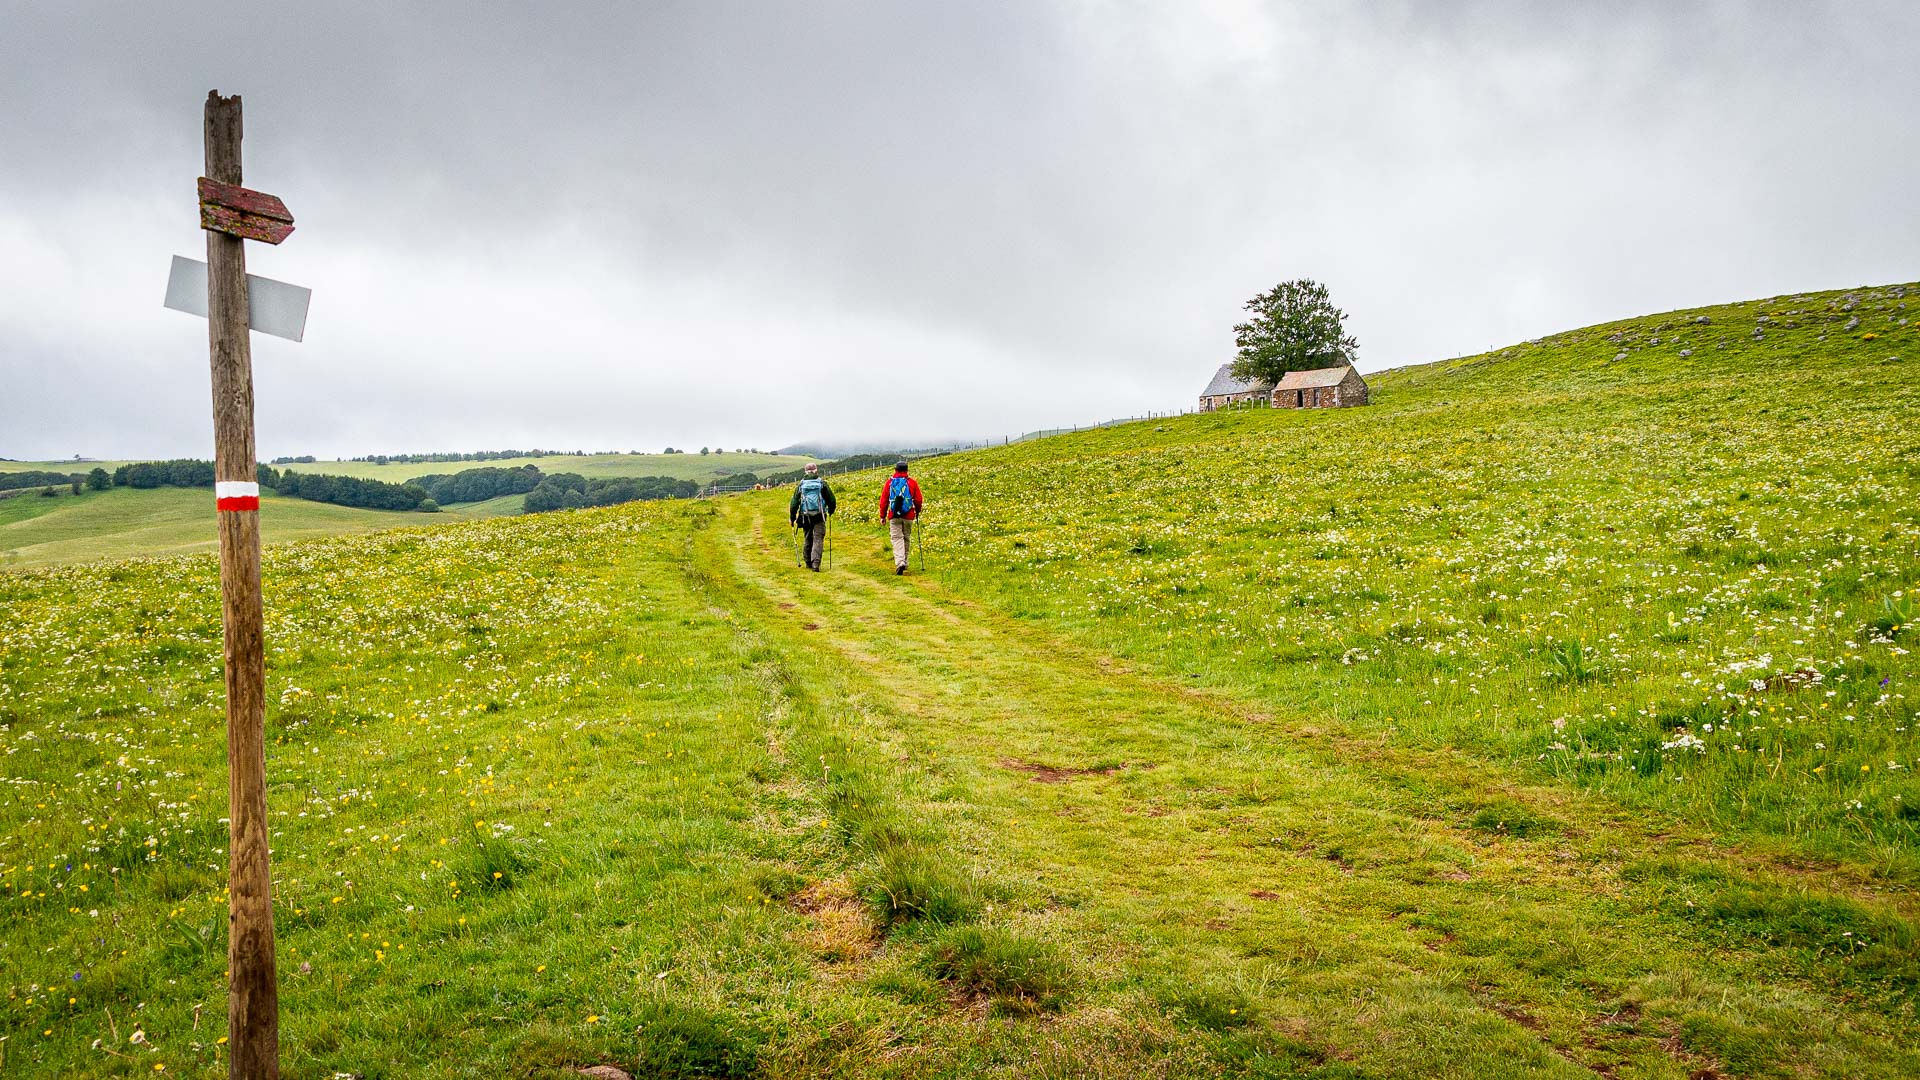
[(1315, 379), (1224, 383)]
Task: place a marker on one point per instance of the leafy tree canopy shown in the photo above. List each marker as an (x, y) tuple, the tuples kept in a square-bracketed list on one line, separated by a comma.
[(1294, 327)]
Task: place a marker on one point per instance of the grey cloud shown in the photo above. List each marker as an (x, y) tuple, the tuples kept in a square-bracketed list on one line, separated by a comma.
[(630, 225)]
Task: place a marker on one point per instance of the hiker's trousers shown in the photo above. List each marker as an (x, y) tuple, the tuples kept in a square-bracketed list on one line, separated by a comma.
[(816, 531), (901, 529)]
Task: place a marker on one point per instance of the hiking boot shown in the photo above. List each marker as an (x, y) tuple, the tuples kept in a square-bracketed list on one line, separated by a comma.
[(899, 570)]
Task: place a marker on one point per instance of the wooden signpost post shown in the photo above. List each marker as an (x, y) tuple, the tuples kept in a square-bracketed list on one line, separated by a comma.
[(230, 213)]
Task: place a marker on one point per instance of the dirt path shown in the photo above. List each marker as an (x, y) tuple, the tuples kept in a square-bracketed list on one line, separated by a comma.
[(1398, 908)]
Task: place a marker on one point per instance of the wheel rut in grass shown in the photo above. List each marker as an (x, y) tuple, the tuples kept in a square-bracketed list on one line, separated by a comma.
[(913, 611), (1203, 834)]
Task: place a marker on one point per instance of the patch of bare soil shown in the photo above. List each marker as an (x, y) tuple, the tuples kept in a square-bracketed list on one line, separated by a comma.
[(1538, 1027), (1622, 1023), (1056, 774), (1519, 1016), (839, 928)]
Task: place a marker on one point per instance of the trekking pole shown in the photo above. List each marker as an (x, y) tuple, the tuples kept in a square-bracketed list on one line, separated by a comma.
[(923, 548)]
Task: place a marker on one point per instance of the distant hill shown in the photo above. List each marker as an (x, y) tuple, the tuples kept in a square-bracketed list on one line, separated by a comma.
[(127, 522), (829, 450), (687, 466)]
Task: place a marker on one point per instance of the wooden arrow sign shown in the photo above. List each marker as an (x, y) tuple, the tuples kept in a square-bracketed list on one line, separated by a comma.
[(238, 211)]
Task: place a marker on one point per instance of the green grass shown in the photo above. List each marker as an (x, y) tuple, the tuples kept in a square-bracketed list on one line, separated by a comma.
[(1221, 746), (1673, 579), (694, 466), (123, 522)]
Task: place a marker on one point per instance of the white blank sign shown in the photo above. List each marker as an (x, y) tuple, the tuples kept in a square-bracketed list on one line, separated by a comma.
[(273, 307)]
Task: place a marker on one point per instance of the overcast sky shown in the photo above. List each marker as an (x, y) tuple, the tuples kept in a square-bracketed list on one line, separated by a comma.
[(631, 225)]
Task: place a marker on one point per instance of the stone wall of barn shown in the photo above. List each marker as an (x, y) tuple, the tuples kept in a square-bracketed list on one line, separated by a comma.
[(1351, 390), (1219, 401)]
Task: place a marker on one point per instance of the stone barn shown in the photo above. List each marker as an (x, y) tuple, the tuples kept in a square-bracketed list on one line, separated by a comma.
[(1226, 390), (1322, 388)]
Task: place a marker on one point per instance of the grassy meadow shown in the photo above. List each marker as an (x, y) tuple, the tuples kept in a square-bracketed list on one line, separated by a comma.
[(1546, 718), (8, 465), (1672, 558), (123, 523), (689, 466)]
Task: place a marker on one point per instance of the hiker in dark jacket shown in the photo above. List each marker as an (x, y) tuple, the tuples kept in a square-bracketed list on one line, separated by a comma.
[(811, 503), (899, 507)]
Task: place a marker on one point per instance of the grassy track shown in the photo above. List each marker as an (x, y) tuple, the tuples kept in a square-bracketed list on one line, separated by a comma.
[(1212, 856), (124, 523), (1240, 745), (1673, 559)]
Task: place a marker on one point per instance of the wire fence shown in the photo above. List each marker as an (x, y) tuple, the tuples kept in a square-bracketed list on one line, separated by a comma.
[(827, 468)]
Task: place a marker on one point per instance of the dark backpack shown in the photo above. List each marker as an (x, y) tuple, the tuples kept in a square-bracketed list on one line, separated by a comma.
[(899, 497), (812, 502)]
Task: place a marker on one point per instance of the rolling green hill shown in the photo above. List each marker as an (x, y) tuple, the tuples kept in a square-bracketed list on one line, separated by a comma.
[(693, 466), (68, 467), (678, 466), (166, 521), (1551, 717), (124, 523), (1562, 553)]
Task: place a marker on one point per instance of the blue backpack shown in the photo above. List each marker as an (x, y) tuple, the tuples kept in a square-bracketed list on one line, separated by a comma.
[(812, 503), (899, 497)]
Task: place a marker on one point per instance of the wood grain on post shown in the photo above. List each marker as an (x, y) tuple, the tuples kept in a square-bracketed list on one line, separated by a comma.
[(253, 992)]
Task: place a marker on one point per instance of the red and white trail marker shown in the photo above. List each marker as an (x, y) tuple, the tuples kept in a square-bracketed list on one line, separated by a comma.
[(236, 495)]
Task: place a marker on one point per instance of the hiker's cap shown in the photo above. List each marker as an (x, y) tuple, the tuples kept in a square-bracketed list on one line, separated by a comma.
[(899, 466), (813, 466)]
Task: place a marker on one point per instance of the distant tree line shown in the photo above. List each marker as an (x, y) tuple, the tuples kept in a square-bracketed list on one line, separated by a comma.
[(179, 472), (477, 455), (303, 459), (568, 491), (353, 491), (476, 485), (15, 480)]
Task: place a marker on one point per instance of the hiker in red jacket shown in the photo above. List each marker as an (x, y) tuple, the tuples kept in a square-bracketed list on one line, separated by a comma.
[(900, 504)]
